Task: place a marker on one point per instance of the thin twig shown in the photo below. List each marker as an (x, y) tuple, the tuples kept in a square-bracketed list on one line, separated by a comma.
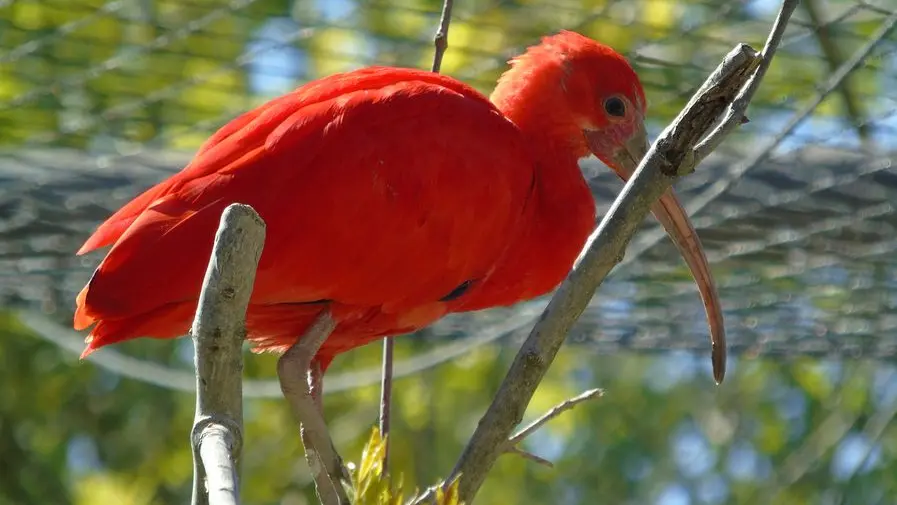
[(555, 411), (440, 41), (441, 38), (218, 332), (386, 396), (530, 456), (875, 8), (673, 154), (827, 435)]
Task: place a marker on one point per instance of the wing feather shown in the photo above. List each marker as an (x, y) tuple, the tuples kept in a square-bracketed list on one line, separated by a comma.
[(383, 188)]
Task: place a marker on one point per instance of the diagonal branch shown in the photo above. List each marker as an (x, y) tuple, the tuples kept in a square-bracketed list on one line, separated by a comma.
[(218, 331), (672, 155), (606, 248)]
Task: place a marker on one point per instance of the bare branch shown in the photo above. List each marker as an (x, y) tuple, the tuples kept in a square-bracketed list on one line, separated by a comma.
[(218, 332), (703, 112), (875, 428), (555, 411), (673, 154), (825, 436), (218, 451), (838, 77), (548, 416)]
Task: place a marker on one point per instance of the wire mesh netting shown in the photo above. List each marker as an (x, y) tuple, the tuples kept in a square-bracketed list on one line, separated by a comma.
[(99, 100)]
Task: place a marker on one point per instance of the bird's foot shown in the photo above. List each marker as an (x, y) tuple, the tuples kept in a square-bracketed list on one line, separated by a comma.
[(301, 381)]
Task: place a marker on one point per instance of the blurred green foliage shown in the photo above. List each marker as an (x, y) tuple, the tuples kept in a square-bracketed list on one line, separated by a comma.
[(374, 485)]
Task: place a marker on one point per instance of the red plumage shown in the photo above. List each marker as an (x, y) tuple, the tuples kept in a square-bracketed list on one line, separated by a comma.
[(382, 190), (391, 196)]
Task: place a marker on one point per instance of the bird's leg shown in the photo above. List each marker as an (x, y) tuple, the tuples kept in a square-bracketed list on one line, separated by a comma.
[(316, 385), (300, 381), (329, 486)]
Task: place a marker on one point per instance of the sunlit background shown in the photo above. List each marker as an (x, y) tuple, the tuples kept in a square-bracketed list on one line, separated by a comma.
[(100, 99)]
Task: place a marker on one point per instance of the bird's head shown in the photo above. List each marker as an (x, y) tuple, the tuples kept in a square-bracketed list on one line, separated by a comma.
[(580, 95), (576, 97)]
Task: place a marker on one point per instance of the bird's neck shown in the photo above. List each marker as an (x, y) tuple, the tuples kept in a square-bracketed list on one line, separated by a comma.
[(531, 94), (561, 210)]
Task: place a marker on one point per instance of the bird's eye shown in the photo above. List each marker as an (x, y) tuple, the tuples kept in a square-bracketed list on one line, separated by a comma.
[(615, 106)]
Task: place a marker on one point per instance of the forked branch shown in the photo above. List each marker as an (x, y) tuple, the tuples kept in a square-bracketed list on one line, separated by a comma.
[(218, 332), (564, 406)]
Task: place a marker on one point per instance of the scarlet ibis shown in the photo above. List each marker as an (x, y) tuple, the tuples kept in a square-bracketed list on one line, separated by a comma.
[(392, 197)]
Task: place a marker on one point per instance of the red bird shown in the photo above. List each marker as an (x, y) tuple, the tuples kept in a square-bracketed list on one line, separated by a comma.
[(391, 197)]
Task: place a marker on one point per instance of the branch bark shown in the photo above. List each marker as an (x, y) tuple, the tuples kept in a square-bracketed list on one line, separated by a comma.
[(668, 158), (218, 332), (673, 154)]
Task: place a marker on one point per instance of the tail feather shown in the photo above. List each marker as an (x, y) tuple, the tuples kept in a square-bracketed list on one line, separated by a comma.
[(83, 317), (113, 228), (272, 328), (169, 321), (276, 328)]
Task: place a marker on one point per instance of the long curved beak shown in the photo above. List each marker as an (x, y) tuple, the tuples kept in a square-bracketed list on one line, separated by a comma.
[(675, 221)]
